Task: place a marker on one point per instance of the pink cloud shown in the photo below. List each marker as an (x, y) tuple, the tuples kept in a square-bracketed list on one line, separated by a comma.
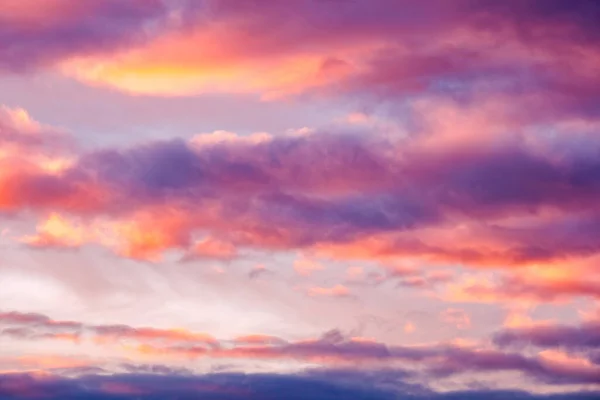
[(305, 267), (333, 291)]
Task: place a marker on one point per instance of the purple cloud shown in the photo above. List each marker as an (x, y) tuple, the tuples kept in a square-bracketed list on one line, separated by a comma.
[(34, 35)]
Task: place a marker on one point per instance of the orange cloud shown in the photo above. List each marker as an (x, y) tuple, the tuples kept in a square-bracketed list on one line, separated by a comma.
[(213, 58), (57, 231), (146, 237), (526, 288)]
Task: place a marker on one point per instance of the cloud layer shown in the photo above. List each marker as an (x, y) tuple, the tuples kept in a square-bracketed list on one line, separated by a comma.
[(335, 349), (321, 385)]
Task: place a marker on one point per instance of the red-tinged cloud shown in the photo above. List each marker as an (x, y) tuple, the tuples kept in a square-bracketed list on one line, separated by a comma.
[(214, 249), (32, 156)]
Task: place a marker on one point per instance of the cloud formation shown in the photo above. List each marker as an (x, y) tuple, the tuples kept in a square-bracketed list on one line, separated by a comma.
[(332, 348), (529, 48), (457, 178), (340, 187), (349, 47), (583, 337), (518, 200)]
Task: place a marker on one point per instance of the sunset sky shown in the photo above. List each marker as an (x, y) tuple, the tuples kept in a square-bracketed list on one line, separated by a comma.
[(300, 199)]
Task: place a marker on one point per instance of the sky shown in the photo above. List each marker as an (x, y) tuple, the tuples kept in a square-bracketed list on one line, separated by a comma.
[(300, 199)]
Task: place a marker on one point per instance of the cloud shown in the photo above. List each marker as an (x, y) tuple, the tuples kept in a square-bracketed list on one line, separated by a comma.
[(583, 337), (47, 363), (353, 47), (305, 267), (333, 348), (577, 345), (501, 201), (173, 172), (536, 53), (35, 35), (212, 248), (37, 326), (527, 287), (36, 320), (333, 291)]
